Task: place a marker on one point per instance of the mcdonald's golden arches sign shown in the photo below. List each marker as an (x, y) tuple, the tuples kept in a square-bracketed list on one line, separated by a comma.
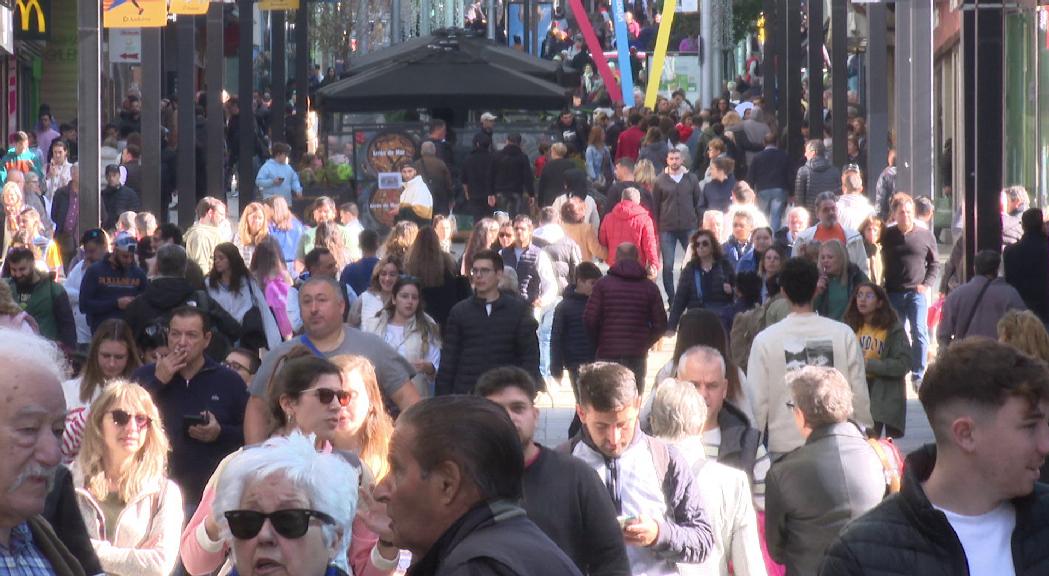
[(32, 19)]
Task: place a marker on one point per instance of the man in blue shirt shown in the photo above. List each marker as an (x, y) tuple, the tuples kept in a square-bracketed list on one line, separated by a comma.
[(277, 177)]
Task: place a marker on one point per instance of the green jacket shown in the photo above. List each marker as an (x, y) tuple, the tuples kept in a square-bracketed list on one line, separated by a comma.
[(49, 305), (885, 380)]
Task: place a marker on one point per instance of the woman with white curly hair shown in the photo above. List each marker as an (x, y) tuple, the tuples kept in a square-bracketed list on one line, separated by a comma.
[(285, 507)]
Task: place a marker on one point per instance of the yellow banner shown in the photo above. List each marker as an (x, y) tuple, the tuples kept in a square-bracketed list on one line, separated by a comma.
[(662, 39), (278, 4), (134, 13), (189, 7)]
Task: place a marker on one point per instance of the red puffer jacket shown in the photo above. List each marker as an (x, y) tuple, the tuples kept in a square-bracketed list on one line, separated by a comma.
[(625, 314), (630, 222)]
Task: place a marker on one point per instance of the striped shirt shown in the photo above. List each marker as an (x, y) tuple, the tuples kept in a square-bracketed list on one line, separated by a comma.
[(762, 463), (21, 557)]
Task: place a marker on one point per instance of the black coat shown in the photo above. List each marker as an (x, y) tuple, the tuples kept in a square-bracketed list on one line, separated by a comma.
[(441, 298), (906, 535), (570, 344), (163, 295), (476, 341), (63, 514), (1027, 269), (477, 175), (687, 296), (116, 201), (552, 181), (511, 172)]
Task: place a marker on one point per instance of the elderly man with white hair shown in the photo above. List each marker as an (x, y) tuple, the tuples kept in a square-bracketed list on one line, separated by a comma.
[(32, 418), (678, 416), (284, 507)]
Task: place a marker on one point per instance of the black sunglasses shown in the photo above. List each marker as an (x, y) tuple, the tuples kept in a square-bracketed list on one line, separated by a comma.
[(246, 524), (326, 395), (121, 418)]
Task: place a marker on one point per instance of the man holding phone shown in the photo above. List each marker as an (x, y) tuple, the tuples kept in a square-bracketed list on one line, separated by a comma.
[(277, 177), (201, 402)]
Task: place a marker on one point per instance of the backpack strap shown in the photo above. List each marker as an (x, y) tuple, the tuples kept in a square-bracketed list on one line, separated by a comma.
[(892, 474)]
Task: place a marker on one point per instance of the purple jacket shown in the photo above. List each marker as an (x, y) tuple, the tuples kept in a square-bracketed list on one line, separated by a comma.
[(625, 314)]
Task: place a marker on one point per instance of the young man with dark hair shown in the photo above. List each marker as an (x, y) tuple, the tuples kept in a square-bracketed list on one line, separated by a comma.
[(562, 495), (651, 484), (111, 284), (803, 338), (41, 297), (201, 402), (358, 274), (970, 503), (488, 329)]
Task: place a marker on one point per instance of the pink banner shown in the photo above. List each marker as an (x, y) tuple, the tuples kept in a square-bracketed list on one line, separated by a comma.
[(592, 43)]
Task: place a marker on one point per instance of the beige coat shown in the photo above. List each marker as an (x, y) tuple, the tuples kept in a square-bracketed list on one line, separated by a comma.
[(145, 540)]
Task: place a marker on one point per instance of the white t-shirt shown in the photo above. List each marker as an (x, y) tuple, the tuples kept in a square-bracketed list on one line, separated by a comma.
[(986, 539)]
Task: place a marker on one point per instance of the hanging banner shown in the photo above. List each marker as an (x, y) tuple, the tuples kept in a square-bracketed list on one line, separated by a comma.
[(279, 5), (189, 7), (596, 52), (662, 40), (626, 73), (134, 13)]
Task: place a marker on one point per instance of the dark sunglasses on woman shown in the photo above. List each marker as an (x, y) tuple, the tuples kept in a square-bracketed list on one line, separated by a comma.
[(292, 523), (326, 395), (121, 418)]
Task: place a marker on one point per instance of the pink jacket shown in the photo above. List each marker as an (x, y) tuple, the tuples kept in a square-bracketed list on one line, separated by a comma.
[(277, 298), (200, 560)]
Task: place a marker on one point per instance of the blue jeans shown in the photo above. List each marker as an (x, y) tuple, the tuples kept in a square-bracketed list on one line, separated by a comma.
[(913, 310), (771, 201), (545, 317), (668, 241)]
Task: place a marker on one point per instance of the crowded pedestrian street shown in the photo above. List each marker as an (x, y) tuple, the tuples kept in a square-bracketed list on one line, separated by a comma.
[(524, 288)]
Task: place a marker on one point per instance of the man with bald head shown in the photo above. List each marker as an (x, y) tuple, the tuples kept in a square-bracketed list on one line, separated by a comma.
[(32, 418), (625, 314)]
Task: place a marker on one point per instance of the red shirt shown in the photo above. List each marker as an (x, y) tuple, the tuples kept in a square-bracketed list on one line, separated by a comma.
[(629, 144), (835, 233)]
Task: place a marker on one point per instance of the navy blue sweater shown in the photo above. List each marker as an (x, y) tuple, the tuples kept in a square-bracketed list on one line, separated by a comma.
[(570, 344)]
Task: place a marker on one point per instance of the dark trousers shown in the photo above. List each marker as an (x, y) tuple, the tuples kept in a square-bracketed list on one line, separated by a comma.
[(637, 365)]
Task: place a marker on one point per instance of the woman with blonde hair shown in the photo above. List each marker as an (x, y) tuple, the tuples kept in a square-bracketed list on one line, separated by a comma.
[(252, 230), (132, 511), (11, 314), (12, 203), (645, 176), (284, 228), (46, 252), (399, 241), (1024, 331), (839, 278), (113, 355), (368, 430)]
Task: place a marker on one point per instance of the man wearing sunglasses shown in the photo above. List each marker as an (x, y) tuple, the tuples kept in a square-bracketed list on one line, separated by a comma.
[(455, 479)]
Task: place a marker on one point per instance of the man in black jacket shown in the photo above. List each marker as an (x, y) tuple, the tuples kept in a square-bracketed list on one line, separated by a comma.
[(117, 198), (969, 504), (171, 290), (477, 177), (562, 495), (1027, 264), (511, 177), (489, 329)]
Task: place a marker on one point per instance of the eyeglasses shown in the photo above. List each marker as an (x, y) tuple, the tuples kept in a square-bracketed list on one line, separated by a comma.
[(326, 395), (121, 418), (703, 244), (292, 523), (235, 366)]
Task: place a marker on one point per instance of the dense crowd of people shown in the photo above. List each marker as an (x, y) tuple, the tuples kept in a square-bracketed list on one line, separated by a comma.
[(301, 393)]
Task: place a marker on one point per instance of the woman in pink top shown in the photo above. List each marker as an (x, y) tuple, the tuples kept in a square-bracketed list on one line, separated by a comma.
[(313, 396), (267, 266)]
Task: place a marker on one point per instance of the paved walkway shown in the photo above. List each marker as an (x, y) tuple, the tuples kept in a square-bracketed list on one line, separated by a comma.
[(557, 407)]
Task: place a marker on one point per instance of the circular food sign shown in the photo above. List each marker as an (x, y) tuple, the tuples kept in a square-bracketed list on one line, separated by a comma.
[(387, 152)]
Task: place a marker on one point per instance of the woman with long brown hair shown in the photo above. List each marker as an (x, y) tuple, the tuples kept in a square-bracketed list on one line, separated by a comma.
[(379, 292), (408, 329), (886, 354), (435, 270), (399, 241), (368, 429), (113, 354), (483, 237)]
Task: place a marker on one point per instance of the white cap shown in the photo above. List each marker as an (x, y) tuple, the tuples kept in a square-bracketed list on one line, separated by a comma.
[(487, 116)]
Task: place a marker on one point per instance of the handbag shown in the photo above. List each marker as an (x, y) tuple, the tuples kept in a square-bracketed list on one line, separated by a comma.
[(253, 334)]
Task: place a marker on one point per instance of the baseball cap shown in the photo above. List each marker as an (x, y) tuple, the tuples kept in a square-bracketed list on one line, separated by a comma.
[(92, 235), (488, 116), (126, 242)]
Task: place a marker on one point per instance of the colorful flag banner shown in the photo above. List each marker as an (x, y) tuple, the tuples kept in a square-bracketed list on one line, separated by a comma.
[(626, 73), (189, 7), (662, 40), (134, 13), (596, 52)]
